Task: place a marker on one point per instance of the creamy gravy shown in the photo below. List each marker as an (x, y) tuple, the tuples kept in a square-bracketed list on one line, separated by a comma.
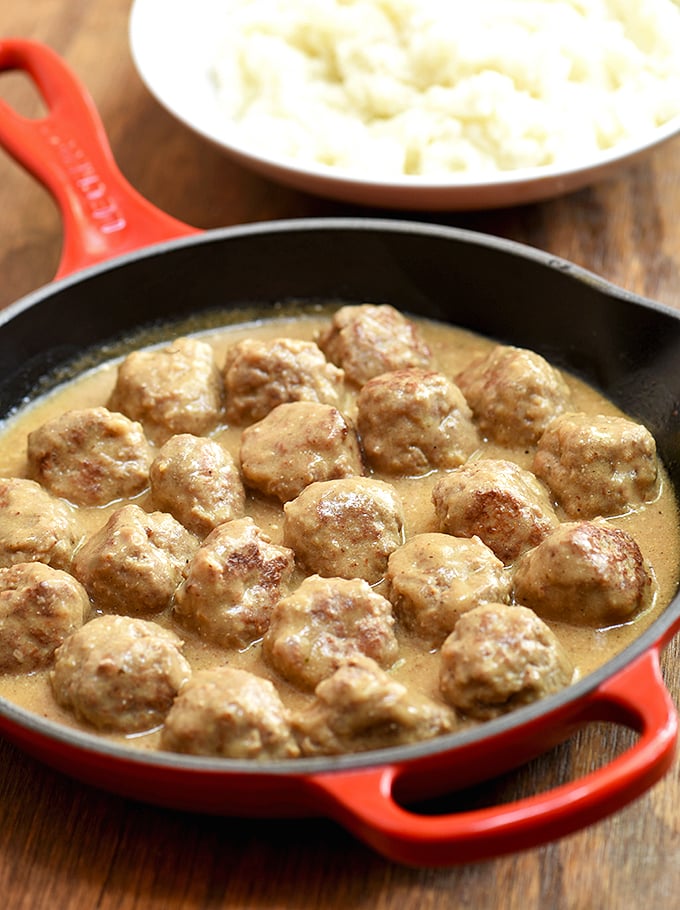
[(654, 526)]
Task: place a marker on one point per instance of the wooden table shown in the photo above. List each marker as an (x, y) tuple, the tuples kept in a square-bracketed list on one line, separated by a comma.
[(63, 845)]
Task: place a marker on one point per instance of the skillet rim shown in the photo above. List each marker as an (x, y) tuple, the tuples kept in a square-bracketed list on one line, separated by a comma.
[(657, 634)]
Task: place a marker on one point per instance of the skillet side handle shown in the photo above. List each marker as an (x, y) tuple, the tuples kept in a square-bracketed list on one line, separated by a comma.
[(67, 151), (363, 801)]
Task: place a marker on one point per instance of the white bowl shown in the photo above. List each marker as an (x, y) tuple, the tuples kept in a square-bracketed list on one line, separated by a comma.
[(174, 42)]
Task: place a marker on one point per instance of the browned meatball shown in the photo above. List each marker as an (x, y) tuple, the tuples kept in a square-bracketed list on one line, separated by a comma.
[(90, 456), (325, 622), (197, 481), (597, 465), (119, 673), (514, 394), (369, 339), (135, 562), (499, 658), (36, 526), (361, 707), (588, 573), (345, 528), (411, 421), (230, 713), (234, 581), (39, 608), (259, 375), (504, 505), (433, 578), (175, 389), (296, 444)]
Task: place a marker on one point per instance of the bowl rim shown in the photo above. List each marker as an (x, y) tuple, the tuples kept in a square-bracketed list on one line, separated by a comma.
[(507, 186)]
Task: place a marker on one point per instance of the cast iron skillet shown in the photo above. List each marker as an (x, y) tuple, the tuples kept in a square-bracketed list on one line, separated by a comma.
[(125, 264)]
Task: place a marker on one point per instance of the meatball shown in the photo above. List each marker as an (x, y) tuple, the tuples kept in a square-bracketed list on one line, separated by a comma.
[(597, 465), (229, 713), (171, 390), (514, 394), (119, 673), (296, 444), (500, 502), (345, 528), (135, 562), (197, 481), (411, 421), (233, 583), (90, 456), (369, 339), (499, 658), (586, 572), (259, 375), (39, 608), (36, 526), (360, 707), (433, 578), (325, 622)]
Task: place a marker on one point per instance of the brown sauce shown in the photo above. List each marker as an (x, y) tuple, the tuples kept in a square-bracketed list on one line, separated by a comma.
[(654, 525)]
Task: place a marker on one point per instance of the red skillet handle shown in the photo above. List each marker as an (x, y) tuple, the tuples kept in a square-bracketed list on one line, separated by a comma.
[(363, 801), (68, 152)]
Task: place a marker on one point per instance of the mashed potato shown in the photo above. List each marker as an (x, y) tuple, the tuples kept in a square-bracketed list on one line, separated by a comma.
[(434, 87)]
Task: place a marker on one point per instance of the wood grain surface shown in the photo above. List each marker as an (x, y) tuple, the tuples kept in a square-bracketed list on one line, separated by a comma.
[(64, 845)]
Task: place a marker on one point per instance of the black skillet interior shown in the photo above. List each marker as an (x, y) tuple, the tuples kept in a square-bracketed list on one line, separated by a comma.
[(626, 347)]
